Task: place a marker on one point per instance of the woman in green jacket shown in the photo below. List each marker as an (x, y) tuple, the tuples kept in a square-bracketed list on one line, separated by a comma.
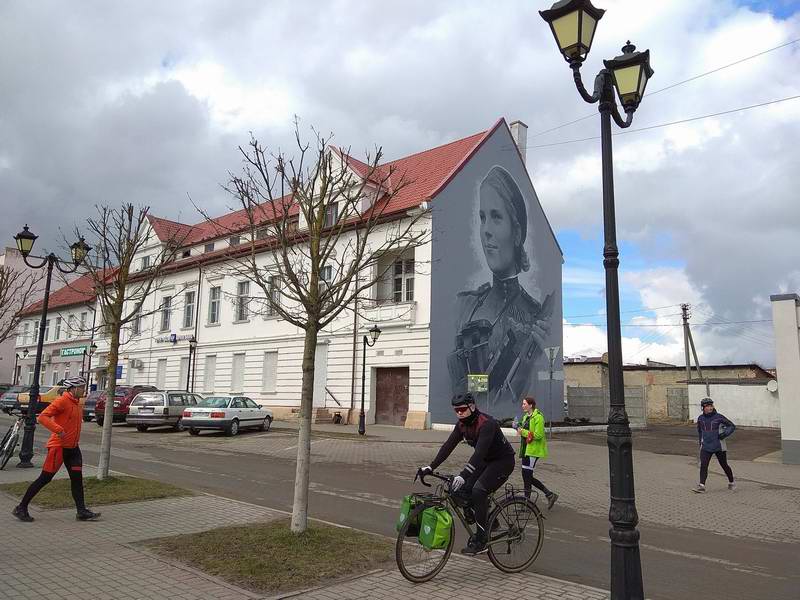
[(533, 446)]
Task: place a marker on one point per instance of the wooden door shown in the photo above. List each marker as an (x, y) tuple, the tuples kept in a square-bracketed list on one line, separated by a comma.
[(391, 396)]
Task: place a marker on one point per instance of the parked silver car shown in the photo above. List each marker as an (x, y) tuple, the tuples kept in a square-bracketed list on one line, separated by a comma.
[(226, 413), (157, 409)]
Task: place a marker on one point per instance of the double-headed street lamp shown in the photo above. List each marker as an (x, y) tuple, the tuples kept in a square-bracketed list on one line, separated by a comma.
[(79, 250), (573, 23), (15, 375), (374, 334)]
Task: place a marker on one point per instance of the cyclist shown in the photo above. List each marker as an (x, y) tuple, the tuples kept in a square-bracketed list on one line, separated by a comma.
[(64, 418), (490, 466)]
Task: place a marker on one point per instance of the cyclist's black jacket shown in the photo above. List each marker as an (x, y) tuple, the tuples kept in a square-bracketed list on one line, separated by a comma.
[(483, 433)]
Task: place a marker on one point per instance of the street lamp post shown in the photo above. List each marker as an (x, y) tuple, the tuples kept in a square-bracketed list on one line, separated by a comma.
[(374, 334), (92, 350), (15, 375), (189, 377), (573, 24), (79, 250)]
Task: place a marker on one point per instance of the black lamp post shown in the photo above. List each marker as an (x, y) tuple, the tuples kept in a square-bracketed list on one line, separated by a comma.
[(15, 376), (189, 378), (374, 334), (79, 250), (573, 24), (92, 350)]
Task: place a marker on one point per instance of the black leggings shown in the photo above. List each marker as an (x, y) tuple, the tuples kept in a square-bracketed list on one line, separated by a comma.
[(528, 480), (73, 462), (487, 480), (722, 457)]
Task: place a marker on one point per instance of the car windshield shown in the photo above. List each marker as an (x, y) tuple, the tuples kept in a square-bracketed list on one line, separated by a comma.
[(121, 392), (148, 400), (214, 402), (44, 389), (16, 389)]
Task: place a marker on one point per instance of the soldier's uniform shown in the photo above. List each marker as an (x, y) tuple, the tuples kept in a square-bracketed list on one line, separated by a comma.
[(493, 337)]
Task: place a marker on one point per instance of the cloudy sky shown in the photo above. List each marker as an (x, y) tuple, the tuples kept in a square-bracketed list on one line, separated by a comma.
[(146, 102)]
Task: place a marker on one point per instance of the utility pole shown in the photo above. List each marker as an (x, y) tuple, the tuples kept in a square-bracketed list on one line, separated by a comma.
[(686, 315)]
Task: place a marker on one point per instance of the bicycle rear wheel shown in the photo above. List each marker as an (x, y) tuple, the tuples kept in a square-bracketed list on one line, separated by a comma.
[(517, 526), (416, 563), (7, 450)]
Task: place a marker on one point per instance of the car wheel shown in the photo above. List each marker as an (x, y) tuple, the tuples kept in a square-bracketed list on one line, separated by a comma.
[(141, 428), (87, 419), (193, 431), (265, 424), (233, 428), (99, 421), (179, 425)]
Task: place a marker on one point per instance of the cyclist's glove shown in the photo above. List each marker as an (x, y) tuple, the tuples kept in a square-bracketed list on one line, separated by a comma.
[(424, 471), (457, 483)]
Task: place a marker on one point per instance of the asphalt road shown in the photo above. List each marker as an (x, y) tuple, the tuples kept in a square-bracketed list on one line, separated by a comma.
[(677, 563)]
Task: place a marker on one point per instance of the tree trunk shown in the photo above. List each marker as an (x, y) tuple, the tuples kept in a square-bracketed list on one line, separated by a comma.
[(108, 413), (303, 472)]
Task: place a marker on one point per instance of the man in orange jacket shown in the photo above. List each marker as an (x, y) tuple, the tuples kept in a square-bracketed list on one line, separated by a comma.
[(63, 417)]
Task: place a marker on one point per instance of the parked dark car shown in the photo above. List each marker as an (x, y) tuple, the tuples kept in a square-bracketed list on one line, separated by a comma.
[(90, 405), (8, 400), (123, 396)]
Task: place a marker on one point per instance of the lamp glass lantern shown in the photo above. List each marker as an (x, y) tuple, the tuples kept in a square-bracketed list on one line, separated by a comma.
[(375, 333), (92, 348), (25, 240), (573, 23), (631, 72), (192, 342), (79, 250), (25, 353)]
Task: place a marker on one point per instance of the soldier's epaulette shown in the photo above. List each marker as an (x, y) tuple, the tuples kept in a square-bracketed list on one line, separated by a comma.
[(528, 299), (480, 291)]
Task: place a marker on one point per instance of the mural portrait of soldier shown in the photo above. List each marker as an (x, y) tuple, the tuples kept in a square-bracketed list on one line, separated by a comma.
[(500, 328)]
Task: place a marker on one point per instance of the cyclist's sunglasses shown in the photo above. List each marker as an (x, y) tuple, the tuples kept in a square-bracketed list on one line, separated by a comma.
[(461, 409)]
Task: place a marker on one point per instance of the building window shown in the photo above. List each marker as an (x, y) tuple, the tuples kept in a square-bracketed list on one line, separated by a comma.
[(262, 233), (84, 316), (66, 371), (186, 253), (242, 300), (235, 240), (161, 373), (166, 312), (47, 330), (292, 224), (183, 375), (58, 329), (145, 263), (237, 373), (403, 284), (331, 212), (274, 294), (188, 309), (208, 247), (136, 322), (269, 375), (210, 372), (25, 327), (214, 297), (29, 378), (54, 377), (70, 327), (325, 276)]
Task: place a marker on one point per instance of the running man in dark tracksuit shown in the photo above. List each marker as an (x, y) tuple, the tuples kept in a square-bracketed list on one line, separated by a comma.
[(712, 429)]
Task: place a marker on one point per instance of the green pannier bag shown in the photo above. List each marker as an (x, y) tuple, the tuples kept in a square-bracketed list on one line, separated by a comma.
[(435, 528), (406, 508)]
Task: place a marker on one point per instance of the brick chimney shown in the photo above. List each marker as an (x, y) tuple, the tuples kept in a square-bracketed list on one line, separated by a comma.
[(519, 131)]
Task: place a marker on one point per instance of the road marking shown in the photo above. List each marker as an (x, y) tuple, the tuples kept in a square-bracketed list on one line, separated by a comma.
[(295, 446)]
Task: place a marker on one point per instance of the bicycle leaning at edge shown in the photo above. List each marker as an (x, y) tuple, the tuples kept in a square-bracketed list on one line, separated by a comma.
[(10, 440), (515, 522)]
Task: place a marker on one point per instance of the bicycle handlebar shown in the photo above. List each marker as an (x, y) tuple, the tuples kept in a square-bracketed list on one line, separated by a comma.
[(448, 479)]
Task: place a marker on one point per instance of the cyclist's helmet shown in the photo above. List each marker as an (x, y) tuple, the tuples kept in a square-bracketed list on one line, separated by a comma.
[(74, 382), (463, 399), (706, 402)]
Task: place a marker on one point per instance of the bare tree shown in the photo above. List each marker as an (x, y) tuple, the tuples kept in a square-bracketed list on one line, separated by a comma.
[(120, 235), (17, 289), (318, 229)]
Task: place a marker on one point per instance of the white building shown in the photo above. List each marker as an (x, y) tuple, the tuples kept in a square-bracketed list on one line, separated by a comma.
[(240, 350)]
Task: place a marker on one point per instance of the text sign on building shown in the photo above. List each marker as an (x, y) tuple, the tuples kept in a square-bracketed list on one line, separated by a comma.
[(173, 338), (75, 351), (119, 372), (477, 383)]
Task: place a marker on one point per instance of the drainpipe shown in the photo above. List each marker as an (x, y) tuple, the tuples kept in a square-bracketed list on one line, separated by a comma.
[(355, 354), (196, 325)]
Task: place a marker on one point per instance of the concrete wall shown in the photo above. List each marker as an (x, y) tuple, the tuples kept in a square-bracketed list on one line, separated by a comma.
[(593, 403), (745, 404), (786, 322)]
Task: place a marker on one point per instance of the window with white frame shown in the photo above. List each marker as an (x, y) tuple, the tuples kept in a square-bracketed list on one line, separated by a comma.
[(47, 330), (269, 374), (70, 327), (166, 312), (242, 301), (209, 372), (403, 281), (25, 328), (188, 309), (29, 378), (237, 373), (161, 373), (325, 277), (66, 371), (84, 316), (208, 247), (145, 263), (54, 376), (136, 322), (331, 212), (214, 304), (235, 240), (274, 294), (58, 329)]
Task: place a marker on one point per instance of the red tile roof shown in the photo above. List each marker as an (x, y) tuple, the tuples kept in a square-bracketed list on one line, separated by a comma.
[(79, 291), (419, 178)]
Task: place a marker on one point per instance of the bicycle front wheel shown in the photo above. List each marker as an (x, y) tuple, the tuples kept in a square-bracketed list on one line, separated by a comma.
[(416, 563), (517, 537), (7, 450)]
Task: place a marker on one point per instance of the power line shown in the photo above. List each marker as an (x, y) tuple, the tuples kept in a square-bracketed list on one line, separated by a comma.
[(622, 312), (679, 122), (668, 325), (669, 87)]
